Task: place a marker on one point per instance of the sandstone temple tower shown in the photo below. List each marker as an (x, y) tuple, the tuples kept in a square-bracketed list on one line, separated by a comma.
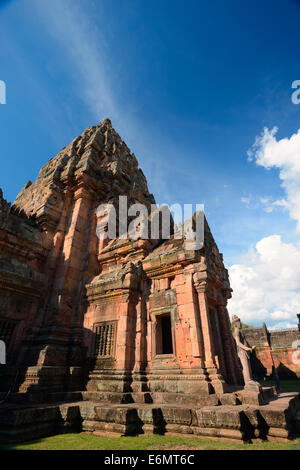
[(123, 324)]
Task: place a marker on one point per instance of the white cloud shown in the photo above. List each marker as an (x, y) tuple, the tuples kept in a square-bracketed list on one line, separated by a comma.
[(283, 154), (282, 325), (268, 204), (246, 201), (267, 286), (265, 202)]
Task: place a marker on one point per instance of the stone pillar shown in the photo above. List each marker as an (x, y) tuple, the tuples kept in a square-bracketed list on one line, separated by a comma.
[(231, 359), (205, 323), (188, 314), (60, 350), (211, 366), (140, 353), (125, 334), (68, 273), (220, 343)]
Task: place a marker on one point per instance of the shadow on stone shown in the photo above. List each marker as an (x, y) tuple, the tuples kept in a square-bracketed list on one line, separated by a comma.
[(159, 423), (258, 369), (70, 419), (133, 425), (286, 373)]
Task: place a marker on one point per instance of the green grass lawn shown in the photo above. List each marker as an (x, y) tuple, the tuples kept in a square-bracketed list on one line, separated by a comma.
[(153, 442)]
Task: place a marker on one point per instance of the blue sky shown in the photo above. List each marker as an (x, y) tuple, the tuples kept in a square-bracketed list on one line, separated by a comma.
[(188, 85)]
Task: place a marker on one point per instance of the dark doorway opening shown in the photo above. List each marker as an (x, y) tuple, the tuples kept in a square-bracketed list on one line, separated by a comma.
[(164, 344)]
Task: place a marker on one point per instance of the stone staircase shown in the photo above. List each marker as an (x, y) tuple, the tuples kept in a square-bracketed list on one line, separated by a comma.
[(224, 416)]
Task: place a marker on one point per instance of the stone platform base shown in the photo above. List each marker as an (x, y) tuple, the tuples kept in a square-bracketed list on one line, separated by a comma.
[(243, 422), (235, 397)]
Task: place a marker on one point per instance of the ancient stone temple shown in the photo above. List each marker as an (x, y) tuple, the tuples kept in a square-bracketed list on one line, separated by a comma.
[(126, 335)]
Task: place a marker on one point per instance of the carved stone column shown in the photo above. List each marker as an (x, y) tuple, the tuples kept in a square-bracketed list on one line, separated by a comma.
[(220, 343), (211, 366), (200, 286), (230, 354)]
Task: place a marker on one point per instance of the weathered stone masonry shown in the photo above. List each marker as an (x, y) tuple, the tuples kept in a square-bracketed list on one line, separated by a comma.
[(132, 335), (275, 349)]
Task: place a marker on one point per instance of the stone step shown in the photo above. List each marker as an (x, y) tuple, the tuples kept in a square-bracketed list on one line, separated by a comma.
[(275, 420), (108, 384), (44, 397), (133, 419), (185, 399), (252, 397), (269, 393), (25, 423), (117, 397)]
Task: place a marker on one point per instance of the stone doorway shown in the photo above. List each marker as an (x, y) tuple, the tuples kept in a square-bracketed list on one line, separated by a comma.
[(164, 343)]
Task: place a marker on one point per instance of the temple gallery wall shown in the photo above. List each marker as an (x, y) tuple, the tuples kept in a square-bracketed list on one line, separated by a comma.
[(129, 336), (275, 350)]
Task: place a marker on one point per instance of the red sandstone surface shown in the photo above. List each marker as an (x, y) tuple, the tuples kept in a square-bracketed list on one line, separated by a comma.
[(119, 321)]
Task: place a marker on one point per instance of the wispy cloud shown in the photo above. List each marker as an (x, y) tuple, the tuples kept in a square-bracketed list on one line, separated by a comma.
[(80, 34), (85, 48), (266, 203), (246, 201)]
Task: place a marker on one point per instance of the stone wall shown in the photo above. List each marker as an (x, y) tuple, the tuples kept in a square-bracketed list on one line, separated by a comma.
[(22, 262), (275, 348)]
